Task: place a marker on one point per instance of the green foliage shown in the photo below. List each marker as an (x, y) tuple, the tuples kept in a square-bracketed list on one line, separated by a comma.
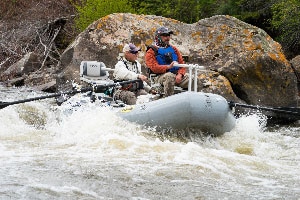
[(186, 11), (286, 20), (150, 7), (183, 10), (207, 8), (228, 7), (91, 10)]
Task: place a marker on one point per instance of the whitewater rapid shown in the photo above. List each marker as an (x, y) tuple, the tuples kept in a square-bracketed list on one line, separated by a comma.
[(49, 153)]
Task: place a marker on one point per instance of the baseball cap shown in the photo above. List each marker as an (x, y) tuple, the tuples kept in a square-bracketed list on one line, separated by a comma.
[(131, 48), (163, 30)]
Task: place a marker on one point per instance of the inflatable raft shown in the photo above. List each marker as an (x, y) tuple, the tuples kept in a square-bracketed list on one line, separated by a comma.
[(207, 112)]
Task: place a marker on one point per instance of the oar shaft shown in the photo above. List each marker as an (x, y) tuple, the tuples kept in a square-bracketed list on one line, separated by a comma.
[(281, 110), (5, 104), (92, 88)]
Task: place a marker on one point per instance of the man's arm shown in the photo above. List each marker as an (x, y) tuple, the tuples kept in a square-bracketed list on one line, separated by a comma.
[(181, 70), (152, 63), (122, 73)]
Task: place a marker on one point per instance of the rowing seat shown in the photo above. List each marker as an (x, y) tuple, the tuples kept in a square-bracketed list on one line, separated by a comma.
[(158, 87)]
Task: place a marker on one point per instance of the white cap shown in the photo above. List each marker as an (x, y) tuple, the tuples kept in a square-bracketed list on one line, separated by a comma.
[(130, 47)]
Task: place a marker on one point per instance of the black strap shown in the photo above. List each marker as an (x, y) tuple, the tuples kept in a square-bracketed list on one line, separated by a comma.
[(155, 49), (125, 63)]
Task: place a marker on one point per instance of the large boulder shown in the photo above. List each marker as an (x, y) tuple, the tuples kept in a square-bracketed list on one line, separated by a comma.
[(244, 63), (295, 64), (16, 72)]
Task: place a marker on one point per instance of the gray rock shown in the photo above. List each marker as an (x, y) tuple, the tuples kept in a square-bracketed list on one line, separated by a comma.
[(47, 87), (245, 63), (29, 63)]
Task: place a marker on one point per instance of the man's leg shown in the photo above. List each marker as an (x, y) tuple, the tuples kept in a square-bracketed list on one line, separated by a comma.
[(184, 82), (168, 82), (126, 96)]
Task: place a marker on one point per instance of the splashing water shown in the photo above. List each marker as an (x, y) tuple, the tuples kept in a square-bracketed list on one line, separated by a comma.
[(48, 153)]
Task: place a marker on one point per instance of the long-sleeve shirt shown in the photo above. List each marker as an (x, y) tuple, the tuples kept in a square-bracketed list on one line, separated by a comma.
[(126, 70), (151, 62)]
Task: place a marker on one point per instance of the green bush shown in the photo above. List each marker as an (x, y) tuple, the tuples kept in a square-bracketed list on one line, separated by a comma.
[(286, 20), (91, 10)]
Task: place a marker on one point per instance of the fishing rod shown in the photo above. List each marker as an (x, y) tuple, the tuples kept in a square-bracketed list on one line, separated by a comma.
[(95, 88), (285, 110)]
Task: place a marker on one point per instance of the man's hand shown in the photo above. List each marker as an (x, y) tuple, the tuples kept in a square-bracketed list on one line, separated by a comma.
[(142, 77), (178, 78), (172, 64), (153, 91)]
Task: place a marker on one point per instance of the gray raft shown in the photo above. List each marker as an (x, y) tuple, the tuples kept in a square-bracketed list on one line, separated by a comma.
[(207, 112)]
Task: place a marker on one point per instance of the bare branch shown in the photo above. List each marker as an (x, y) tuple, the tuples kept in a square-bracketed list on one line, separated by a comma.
[(48, 50), (2, 63)]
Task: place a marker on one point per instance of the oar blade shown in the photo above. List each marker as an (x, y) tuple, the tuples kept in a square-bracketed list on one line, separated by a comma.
[(3, 104), (274, 114), (291, 109), (286, 114)]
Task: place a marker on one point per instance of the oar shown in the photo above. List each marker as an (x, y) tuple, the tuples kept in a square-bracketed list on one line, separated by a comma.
[(5, 104), (284, 110), (82, 90)]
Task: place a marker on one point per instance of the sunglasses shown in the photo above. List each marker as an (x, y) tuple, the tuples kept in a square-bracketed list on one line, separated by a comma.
[(165, 34), (133, 52)]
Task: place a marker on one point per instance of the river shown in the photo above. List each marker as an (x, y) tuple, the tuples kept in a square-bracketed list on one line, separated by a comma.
[(46, 153)]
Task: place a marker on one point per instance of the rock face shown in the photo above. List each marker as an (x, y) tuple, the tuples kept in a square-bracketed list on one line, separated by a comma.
[(253, 63), (295, 64), (244, 63)]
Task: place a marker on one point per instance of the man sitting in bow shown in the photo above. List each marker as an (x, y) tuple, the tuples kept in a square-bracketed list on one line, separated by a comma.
[(129, 68)]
